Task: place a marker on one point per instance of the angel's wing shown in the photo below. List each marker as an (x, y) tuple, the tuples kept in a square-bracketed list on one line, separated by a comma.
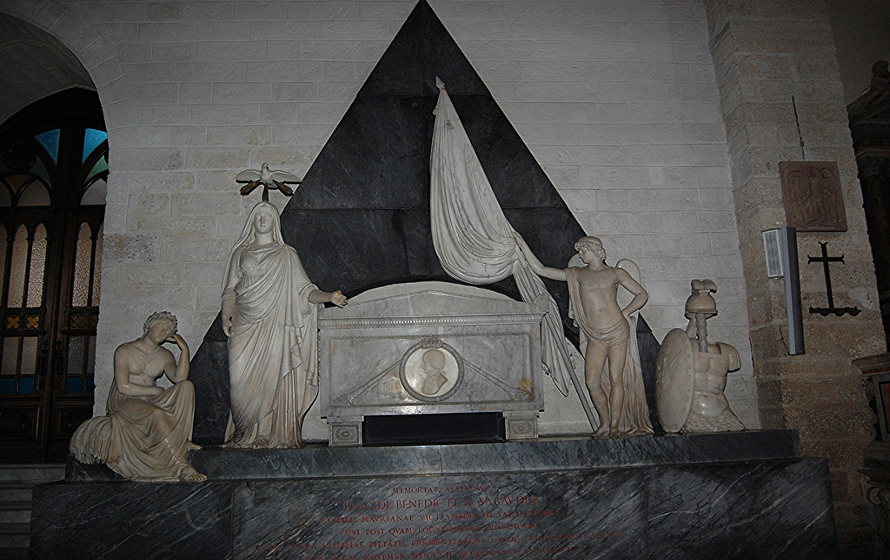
[(630, 267), (624, 297)]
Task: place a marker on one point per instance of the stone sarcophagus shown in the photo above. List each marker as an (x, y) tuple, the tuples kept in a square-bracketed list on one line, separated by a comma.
[(430, 348)]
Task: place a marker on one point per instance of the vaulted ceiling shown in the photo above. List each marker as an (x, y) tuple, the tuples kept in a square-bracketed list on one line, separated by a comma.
[(33, 65)]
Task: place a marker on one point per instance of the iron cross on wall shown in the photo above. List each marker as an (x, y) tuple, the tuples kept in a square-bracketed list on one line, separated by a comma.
[(825, 259)]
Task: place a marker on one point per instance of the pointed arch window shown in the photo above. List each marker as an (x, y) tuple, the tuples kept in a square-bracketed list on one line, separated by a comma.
[(53, 183), (50, 142)]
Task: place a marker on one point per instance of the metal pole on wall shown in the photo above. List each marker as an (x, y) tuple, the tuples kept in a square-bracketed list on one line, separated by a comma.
[(781, 262)]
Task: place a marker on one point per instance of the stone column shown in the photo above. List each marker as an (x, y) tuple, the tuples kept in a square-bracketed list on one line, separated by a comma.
[(764, 52), (871, 170)]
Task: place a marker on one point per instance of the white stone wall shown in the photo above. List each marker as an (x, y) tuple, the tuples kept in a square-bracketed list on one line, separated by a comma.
[(616, 99)]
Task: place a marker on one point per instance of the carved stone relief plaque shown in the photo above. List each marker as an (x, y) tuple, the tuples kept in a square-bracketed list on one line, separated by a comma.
[(812, 195), (431, 371)]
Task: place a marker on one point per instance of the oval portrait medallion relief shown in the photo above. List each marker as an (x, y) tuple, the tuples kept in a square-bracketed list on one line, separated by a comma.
[(431, 371)]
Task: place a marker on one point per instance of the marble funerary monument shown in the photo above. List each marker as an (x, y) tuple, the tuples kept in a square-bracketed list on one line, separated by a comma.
[(414, 339)]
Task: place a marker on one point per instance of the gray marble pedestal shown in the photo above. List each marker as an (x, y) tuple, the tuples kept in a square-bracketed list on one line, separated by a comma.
[(746, 495)]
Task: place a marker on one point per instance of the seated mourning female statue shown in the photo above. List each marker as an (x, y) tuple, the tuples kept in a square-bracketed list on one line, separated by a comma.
[(146, 433)]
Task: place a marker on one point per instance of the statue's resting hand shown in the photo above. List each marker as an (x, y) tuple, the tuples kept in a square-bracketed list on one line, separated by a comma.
[(338, 299), (176, 339), (317, 296), (228, 310)]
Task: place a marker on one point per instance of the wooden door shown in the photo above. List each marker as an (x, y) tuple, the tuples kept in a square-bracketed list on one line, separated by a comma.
[(53, 168)]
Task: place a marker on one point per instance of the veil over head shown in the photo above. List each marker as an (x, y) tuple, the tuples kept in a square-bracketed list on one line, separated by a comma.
[(249, 233)]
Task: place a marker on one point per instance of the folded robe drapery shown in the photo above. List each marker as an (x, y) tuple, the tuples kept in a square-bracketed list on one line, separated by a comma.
[(472, 237)]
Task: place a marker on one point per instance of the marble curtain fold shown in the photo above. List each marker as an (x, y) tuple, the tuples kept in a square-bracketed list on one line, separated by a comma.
[(472, 237)]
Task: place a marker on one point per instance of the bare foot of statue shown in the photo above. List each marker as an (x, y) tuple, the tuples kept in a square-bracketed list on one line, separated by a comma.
[(191, 475), (602, 431)]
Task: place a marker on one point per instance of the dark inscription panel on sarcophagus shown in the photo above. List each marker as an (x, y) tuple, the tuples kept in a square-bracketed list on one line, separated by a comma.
[(558, 515)]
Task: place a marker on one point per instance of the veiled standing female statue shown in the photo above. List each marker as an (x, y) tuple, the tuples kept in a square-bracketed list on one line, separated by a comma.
[(270, 314)]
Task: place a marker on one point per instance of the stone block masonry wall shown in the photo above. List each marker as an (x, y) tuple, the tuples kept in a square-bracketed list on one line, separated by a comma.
[(617, 101), (764, 52)]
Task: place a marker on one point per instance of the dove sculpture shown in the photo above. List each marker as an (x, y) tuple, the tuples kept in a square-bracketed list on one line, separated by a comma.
[(269, 179)]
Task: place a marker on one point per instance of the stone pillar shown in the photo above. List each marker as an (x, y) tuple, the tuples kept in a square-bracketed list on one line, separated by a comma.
[(765, 52), (871, 171)]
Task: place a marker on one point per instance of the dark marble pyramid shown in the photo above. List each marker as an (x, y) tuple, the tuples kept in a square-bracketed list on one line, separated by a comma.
[(360, 219)]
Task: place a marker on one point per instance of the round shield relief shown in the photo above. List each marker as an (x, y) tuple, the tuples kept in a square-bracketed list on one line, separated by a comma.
[(675, 377)]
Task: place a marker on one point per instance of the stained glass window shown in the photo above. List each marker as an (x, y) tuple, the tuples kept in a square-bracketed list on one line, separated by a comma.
[(26, 385), (95, 193), (91, 140), (35, 194), (81, 369), (24, 162), (50, 141), (82, 260), (52, 193), (9, 362), (97, 265), (40, 170), (18, 366), (18, 267), (75, 369), (38, 263), (29, 355), (73, 385), (75, 355), (17, 180)]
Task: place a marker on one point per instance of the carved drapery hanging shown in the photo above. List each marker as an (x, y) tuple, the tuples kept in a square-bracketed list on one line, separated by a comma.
[(473, 238)]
